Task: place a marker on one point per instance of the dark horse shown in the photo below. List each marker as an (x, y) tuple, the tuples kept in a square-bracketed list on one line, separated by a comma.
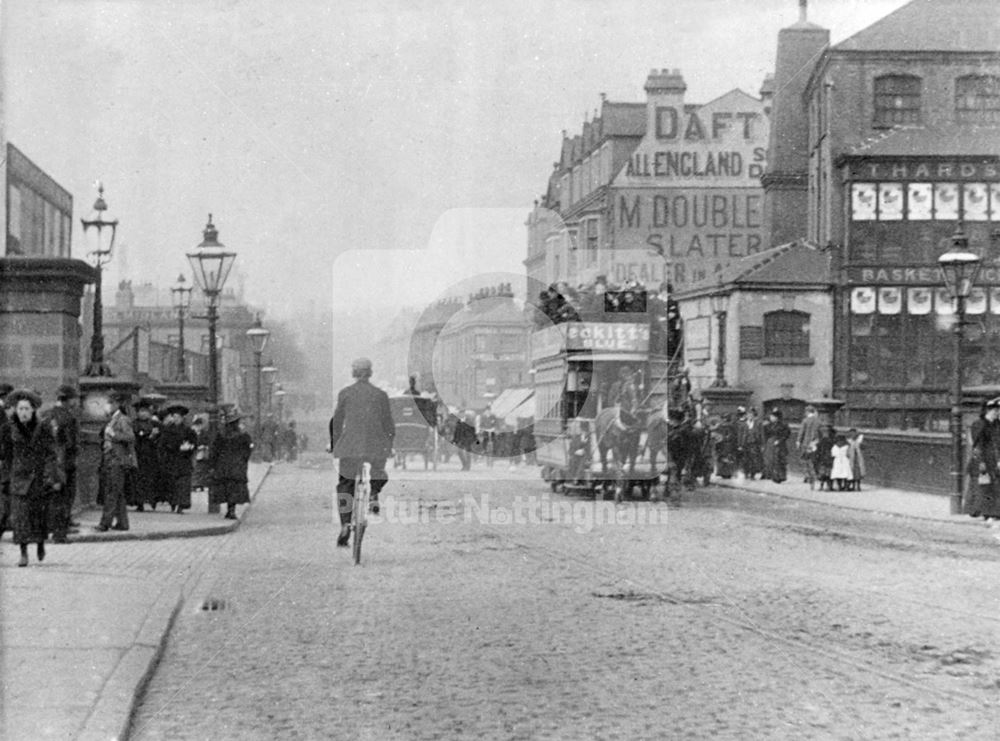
[(621, 439)]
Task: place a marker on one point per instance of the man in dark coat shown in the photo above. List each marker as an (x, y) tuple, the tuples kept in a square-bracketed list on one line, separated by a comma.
[(361, 430), (119, 464), (66, 430)]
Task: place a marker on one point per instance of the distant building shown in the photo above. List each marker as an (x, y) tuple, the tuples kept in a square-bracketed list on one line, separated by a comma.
[(423, 341), (482, 350)]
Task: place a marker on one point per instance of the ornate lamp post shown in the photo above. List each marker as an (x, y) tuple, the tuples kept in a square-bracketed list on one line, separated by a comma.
[(99, 231), (211, 263), (181, 295), (720, 305), (258, 341), (959, 269)]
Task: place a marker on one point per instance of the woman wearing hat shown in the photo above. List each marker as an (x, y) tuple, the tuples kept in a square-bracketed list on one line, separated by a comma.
[(228, 458), (982, 498), (32, 464), (176, 448), (776, 434)]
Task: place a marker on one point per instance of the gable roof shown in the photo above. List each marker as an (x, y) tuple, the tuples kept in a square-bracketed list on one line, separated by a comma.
[(623, 119), (932, 25), (792, 265)]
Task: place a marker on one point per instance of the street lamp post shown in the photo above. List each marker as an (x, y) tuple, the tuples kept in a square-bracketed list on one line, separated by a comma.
[(181, 295), (959, 269), (99, 231), (720, 304), (211, 262), (258, 341)]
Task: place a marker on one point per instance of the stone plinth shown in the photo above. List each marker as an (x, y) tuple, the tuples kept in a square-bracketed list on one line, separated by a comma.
[(95, 392), (40, 321), (725, 400)]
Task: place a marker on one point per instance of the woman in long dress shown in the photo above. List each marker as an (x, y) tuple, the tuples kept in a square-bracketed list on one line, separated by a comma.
[(33, 466), (983, 487)]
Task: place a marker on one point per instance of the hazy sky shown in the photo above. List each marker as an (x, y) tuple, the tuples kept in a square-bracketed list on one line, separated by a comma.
[(313, 128)]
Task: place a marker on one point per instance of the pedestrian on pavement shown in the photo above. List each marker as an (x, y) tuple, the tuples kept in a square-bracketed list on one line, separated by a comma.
[(33, 464), (840, 472), (62, 419), (776, 434), (361, 431), (857, 459), (201, 474), (464, 438), (120, 463), (149, 485), (290, 442), (750, 443), (984, 474), (805, 443), (176, 448), (5, 411), (821, 460), (229, 456)]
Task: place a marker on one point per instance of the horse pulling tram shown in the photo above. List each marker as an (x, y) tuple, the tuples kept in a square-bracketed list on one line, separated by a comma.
[(415, 418), (601, 383)]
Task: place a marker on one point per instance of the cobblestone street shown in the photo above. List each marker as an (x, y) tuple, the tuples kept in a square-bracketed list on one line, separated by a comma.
[(726, 618)]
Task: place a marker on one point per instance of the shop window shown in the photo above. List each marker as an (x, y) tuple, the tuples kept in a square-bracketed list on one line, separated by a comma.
[(977, 99), (786, 335), (897, 100)]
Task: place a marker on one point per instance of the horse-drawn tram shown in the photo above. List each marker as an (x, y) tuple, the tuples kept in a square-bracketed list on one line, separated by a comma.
[(601, 380)]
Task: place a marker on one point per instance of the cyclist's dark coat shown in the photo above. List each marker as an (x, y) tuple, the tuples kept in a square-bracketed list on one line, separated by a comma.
[(362, 425)]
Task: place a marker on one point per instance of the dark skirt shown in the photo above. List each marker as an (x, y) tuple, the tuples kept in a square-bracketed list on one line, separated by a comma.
[(180, 492), (29, 517), (229, 492)]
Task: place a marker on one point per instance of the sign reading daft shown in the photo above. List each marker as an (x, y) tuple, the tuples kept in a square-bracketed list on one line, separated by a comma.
[(690, 195)]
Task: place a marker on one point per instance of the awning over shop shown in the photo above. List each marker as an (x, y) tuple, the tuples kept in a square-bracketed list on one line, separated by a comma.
[(508, 405)]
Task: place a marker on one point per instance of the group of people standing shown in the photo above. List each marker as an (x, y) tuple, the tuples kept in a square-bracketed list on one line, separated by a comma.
[(151, 459), (145, 461), (832, 459)]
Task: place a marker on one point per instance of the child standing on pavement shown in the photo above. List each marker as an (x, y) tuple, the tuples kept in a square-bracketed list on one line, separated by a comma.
[(857, 459), (841, 472)]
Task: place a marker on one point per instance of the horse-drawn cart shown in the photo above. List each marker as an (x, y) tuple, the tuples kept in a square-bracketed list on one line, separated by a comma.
[(588, 438), (415, 418)]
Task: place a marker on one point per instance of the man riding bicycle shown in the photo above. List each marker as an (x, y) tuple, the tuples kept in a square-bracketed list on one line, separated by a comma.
[(361, 431)]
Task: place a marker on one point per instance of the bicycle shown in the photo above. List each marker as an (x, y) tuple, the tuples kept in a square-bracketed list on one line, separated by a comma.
[(359, 518)]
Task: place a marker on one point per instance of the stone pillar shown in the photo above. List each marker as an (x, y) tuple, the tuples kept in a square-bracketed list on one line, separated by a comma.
[(40, 321)]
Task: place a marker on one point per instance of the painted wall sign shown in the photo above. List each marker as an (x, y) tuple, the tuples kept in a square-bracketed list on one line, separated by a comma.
[(723, 143), (986, 169), (695, 232), (925, 275)]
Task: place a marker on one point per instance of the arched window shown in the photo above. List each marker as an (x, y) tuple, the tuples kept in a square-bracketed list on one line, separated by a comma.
[(786, 334), (977, 99), (897, 100)]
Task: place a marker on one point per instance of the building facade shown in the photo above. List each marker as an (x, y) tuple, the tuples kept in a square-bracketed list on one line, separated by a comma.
[(661, 191), (904, 127)]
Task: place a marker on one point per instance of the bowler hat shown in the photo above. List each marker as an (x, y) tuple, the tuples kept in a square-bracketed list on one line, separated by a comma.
[(233, 415), (361, 364), (143, 403), (33, 398)]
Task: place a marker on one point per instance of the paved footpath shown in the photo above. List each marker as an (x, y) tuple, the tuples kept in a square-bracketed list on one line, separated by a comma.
[(82, 631), (870, 498)]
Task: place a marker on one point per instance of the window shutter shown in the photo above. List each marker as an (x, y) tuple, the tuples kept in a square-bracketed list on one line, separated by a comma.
[(751, 343)]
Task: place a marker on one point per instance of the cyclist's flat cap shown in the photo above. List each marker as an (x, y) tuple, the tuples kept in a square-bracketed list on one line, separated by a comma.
[(361, 364)]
